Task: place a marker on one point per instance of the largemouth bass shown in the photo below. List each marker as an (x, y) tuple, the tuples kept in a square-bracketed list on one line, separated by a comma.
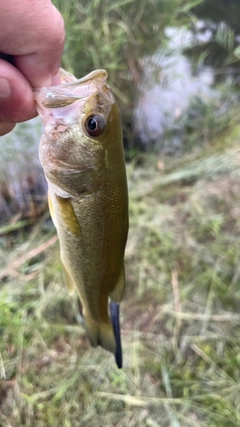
[(82, 155)]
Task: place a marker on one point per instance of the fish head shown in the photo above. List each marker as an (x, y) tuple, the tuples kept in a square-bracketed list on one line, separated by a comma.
[(82, 123)]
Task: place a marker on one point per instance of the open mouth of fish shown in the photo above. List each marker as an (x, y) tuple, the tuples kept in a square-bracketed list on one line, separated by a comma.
[(58, 96)]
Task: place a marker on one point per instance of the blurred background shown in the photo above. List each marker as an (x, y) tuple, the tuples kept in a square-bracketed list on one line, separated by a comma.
[(174, 67)]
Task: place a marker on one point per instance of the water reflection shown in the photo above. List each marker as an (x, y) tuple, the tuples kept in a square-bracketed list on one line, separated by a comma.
[(22, 183), (170, 86)]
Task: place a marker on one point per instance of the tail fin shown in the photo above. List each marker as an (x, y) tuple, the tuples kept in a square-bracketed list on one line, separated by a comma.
[(114, 313), (100, 334), (106, 335)]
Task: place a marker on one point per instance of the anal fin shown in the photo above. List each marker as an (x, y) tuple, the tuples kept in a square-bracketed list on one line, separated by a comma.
[(51, 208), (117, 294)]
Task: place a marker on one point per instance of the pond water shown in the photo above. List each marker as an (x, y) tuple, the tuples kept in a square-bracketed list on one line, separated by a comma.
[(21, 177), (171, 84)]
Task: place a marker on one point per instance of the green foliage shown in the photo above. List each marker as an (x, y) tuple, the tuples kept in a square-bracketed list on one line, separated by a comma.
[(113, 35), (220, 51), (220, 11), (117, 35), (204, 120), (180, 314)]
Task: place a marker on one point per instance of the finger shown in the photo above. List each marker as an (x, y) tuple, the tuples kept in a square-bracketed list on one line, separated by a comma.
[(41, 65), (16, 96), (32, 32)]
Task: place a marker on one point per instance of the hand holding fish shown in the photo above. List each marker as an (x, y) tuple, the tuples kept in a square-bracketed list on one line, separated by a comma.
[(31, 43)]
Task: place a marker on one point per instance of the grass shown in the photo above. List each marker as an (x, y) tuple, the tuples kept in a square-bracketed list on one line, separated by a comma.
[(180, 315)]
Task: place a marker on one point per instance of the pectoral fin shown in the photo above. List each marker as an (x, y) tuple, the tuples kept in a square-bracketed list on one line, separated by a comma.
[(51, 208), (68, 215), (117, 294)]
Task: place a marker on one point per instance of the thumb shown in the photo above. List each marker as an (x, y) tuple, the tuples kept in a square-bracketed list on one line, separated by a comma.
[(6, 128), (16, 96)]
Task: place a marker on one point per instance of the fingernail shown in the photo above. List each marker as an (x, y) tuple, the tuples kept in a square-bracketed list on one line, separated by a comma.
[(5, 88)]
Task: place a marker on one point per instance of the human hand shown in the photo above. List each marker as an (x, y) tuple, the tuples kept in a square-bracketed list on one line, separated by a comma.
[(32, 36)]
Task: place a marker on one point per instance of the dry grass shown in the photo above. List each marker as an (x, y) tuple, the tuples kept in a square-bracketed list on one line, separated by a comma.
[(180, 315)]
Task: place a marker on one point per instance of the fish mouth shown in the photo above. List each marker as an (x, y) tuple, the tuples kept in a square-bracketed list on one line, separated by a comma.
[(65, 102), (70, 90), (69, 78)]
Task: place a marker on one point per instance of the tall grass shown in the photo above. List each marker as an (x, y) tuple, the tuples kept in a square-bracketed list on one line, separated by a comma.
[(180, 315), (115, 35)]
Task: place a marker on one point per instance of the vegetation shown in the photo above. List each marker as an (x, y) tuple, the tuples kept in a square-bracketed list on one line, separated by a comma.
[(180, 314), (116, 35), (218, 12)]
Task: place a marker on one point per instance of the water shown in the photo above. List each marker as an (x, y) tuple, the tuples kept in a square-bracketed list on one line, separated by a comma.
[(217, 11), (171, 85), (22, 181)]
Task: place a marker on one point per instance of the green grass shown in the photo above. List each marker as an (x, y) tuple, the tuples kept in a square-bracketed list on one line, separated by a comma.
[(180, 315)]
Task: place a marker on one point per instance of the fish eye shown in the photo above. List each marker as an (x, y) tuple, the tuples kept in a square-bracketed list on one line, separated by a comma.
[(94, 125)]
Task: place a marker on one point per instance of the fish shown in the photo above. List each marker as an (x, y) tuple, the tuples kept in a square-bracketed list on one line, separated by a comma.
[(82, 155)]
